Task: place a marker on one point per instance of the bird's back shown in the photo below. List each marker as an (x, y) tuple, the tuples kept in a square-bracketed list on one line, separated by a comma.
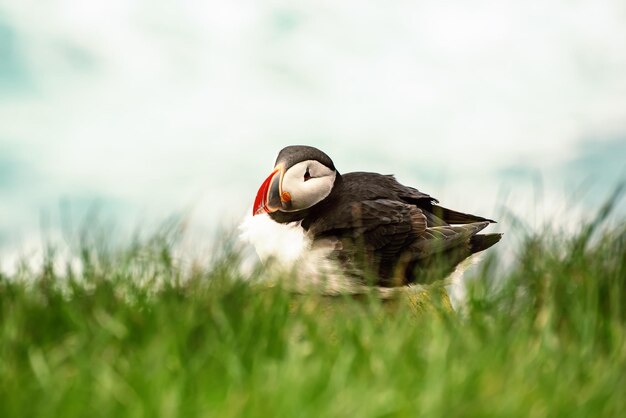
[(399, 232)]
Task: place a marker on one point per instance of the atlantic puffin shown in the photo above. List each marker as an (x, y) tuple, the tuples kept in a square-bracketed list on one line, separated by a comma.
[(382, 232)]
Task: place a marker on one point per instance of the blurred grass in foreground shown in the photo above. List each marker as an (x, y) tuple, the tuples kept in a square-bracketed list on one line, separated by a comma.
[(132, 334)]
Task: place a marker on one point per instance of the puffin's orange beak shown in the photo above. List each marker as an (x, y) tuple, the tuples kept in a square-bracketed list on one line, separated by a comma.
[(270, 196)]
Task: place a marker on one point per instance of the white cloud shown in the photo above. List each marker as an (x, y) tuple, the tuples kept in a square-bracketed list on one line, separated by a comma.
[(166, 105)]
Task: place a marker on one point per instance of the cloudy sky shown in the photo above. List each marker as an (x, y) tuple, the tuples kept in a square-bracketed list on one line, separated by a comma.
[(149, 108)]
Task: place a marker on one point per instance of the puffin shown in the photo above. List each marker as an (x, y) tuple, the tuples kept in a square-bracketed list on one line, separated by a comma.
[(377, 230)]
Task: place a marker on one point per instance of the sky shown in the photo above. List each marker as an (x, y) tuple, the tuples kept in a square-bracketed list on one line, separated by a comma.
[(140, 110)]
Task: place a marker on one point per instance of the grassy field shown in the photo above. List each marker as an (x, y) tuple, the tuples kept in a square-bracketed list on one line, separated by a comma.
[(134, 335)]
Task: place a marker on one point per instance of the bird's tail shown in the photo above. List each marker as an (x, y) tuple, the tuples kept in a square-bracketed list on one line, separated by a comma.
[(483, 241), (453, 217)]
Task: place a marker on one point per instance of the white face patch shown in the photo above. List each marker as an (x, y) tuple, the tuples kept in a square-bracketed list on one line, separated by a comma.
[(308, 182)]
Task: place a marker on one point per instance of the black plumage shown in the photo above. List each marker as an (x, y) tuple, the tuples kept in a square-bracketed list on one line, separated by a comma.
[(397, 233)]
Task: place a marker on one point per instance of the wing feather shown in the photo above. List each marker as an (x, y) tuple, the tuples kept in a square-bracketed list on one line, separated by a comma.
[(440, 238), (382, 225)]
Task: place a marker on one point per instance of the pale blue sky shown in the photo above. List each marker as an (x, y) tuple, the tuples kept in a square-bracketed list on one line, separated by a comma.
[(149, 108)]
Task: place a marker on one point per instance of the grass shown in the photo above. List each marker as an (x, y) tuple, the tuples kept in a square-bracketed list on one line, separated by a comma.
[(132, 334)]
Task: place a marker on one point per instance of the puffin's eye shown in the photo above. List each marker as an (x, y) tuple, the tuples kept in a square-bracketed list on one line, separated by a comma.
[(307, 175)]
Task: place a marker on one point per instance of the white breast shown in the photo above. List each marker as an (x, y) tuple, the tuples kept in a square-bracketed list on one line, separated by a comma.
[(283, 243), (287, 252)]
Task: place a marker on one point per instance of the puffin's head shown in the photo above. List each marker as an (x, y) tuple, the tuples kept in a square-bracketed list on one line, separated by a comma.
[(302, 177)]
